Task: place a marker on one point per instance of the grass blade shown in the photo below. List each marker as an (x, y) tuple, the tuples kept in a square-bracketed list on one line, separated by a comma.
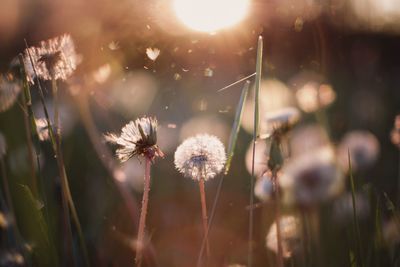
[(255, 135), (236, 126)]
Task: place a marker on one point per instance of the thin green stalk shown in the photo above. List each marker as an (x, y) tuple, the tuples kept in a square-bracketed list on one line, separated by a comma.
[(143, 214), (236, 126), (56, 143), (255, 135), (355, 218)]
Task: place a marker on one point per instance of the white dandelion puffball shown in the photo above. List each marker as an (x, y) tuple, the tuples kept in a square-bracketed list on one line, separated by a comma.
[(308, 138), (9, 92), (264, 188), (200, 157), (363, 147), (290, 230), (52, 59), (311, 178), (138, 138)]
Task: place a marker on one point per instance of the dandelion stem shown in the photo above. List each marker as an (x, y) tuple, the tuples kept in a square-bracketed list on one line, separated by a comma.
[(56, 108), (204, 215), (255, 134), (143, 213)]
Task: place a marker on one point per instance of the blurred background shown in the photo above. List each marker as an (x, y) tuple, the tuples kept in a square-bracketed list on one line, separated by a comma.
[(138, 58)]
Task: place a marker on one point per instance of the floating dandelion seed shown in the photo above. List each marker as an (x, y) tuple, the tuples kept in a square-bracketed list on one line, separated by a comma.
[(200, 157), (290, 231), (311, 178), (9, 91), (152, 53), (363, 147), (53, 59), (138, 138), (113, 45)]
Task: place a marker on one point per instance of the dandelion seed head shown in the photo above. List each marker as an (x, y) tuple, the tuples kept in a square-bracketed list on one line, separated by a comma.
[(312, 178), (138, 138), (363, 147), (290, 231), (52, 59), (9, 92), (200, 157)]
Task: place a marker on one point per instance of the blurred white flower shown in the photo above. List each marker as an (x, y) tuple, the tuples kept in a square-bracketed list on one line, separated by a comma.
[(264, 188), (152, 53), (200, 157), (9, 92), (311, 178), (290, 230), (53, 59), (363, 147), (138, 138)]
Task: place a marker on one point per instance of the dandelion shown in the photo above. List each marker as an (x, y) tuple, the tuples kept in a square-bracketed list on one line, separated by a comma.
[(152, 53), (200, 158), (290, 230), (139, 138), (9, 91), (363, 147), (264, 188), (311, 178), (52, 59), (102, 73)]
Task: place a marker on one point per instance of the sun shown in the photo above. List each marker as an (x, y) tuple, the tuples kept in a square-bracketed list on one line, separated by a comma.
[(210, 15)]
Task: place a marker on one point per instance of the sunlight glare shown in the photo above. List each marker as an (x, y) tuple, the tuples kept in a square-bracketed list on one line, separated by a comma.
[(210, 15)]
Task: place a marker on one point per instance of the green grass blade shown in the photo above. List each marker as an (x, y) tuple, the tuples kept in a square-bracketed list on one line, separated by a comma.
[(257, 85), (236, 126)]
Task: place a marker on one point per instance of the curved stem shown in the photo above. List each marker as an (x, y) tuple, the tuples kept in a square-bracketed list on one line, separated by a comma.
[(143, 213)]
